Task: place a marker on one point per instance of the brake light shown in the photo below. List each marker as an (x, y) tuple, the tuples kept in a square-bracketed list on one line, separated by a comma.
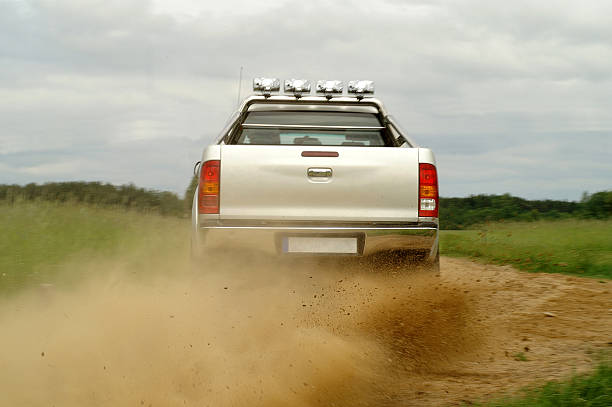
[(208, 196), (428, 190)]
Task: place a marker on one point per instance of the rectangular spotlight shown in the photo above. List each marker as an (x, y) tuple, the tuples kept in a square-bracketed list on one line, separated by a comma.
[(330, 88), (297, 86), (361, 88), (266, 85)]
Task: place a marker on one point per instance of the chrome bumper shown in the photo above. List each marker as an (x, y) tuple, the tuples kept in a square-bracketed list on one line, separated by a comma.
[(372, 237)]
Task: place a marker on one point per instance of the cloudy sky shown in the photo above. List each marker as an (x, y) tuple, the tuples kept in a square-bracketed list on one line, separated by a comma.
[(512, 96)]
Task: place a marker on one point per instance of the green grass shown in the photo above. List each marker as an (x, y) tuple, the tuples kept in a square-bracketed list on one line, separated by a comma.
[(579, 247), (38, 240), (587, 390)]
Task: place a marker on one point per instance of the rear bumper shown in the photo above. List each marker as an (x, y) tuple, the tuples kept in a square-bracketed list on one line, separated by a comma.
[(268, 236)]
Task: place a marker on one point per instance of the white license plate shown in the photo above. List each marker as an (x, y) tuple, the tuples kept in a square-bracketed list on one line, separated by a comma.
[(307, 244)]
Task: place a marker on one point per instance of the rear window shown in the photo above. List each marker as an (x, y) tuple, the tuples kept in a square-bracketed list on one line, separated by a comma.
[(313, 118), (319, 128)]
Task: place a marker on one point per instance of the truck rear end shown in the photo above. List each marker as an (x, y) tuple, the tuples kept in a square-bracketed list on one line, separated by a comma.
[(317, 176)]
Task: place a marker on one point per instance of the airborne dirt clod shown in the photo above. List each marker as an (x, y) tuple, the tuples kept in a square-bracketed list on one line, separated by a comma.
[(260, 332)]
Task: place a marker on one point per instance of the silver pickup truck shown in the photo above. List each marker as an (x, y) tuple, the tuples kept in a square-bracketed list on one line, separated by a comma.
[(329, 174)]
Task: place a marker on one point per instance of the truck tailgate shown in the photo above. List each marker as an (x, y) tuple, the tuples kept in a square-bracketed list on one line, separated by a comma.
[(264, 182)]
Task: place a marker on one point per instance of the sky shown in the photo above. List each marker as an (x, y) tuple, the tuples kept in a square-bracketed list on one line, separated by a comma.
[(513, 97)]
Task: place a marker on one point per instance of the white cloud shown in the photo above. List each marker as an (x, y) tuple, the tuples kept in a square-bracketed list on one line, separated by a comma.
[(185, 10), (55, 169)]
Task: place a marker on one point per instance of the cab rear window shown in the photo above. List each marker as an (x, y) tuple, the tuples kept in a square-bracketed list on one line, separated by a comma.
[(312, 128), (313, 118)]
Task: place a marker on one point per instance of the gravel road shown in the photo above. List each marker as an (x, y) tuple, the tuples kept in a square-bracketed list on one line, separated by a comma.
[(260, 333)]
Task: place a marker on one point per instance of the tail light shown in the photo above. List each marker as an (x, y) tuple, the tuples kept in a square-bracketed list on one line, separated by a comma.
[(428, 190), (208, 196)]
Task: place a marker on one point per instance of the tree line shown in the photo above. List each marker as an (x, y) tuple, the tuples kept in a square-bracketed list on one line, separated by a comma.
[(97, 194), (461, 213), (455, 213)]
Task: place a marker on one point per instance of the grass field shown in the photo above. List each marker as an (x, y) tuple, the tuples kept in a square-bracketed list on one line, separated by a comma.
[(580, 247), (38, 240)]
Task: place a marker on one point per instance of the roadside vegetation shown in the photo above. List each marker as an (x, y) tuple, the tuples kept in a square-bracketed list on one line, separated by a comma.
[(580, 247), (39, 239), (465, 213), (96, 194), (585, 390)]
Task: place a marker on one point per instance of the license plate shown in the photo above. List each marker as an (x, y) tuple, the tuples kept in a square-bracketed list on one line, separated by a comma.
[(308, 244)]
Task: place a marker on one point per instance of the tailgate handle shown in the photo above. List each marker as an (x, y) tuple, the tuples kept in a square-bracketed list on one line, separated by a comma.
[(320, 172)]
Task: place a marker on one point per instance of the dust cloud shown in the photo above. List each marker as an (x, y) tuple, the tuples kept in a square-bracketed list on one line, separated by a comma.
[(251, 330)]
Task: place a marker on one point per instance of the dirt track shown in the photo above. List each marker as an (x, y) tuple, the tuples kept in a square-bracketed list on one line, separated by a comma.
[(301, 334)]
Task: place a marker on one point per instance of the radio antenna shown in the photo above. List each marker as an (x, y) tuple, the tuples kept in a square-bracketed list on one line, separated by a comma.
[(239, 87)]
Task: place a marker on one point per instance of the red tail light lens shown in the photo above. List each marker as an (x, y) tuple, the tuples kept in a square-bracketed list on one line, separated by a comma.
[(208, 196), (428, 190)]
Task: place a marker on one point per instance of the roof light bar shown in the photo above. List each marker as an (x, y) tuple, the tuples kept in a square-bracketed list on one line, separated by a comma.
[(266, 85), (330, 88), (297, 86), (361, 88)]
